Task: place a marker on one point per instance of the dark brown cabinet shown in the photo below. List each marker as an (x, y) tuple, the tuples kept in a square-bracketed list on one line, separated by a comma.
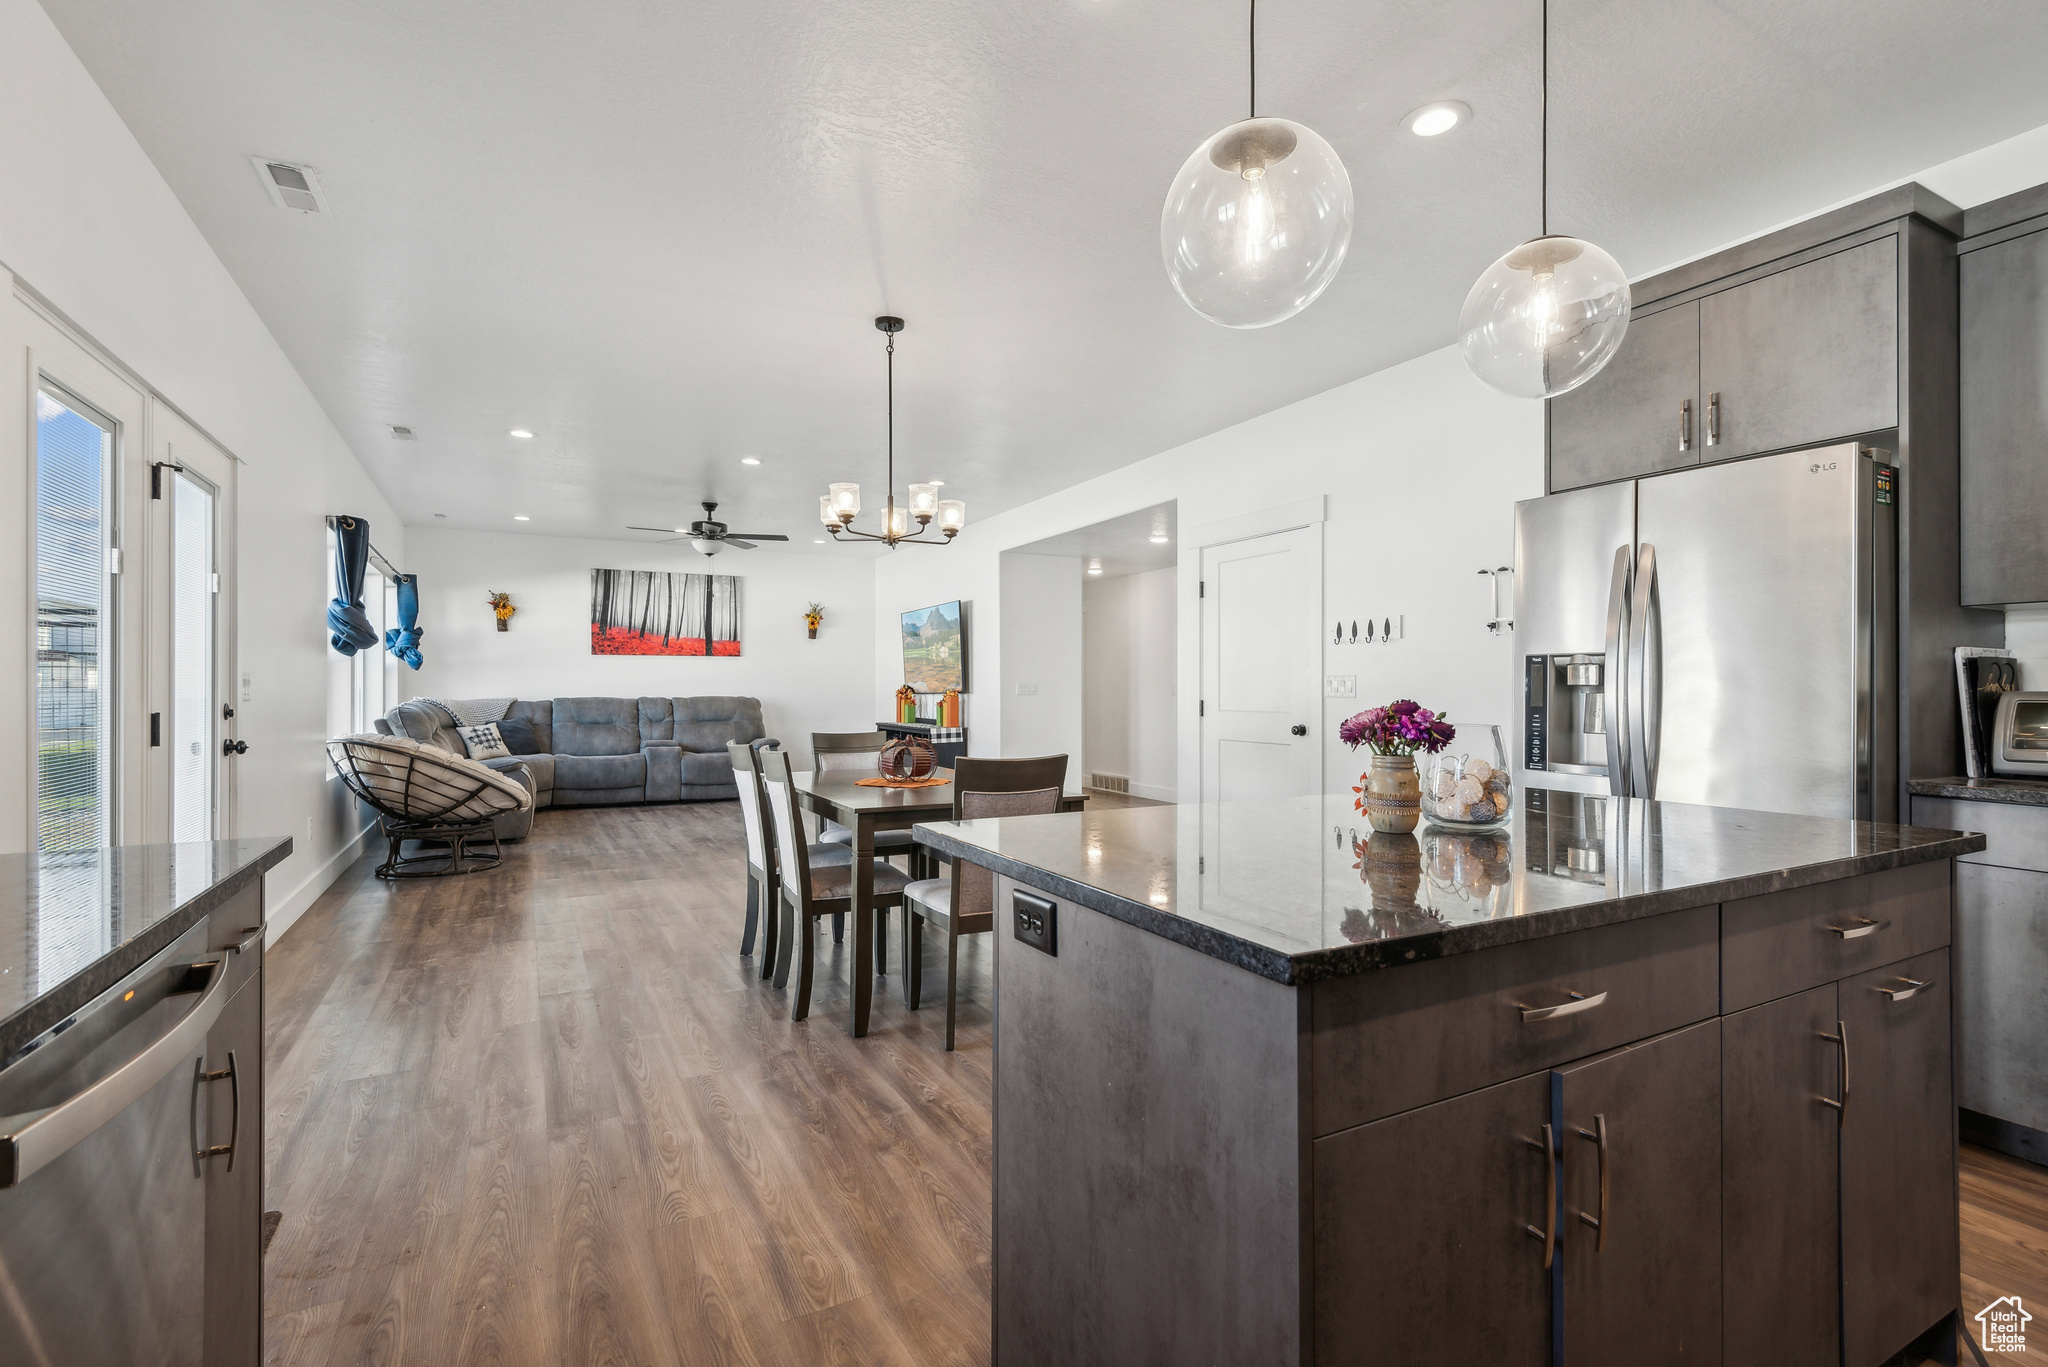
[(2005, 418), (1899, 1228), (234, 1182), (1780, 1144), (1640, 414), (1640, 1231), (1803, 356), (1424, 1250)]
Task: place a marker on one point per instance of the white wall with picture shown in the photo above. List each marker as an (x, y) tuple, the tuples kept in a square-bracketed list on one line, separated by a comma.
[(804, 685)]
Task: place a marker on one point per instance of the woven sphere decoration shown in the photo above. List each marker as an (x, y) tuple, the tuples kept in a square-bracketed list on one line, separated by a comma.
[(908, 757)]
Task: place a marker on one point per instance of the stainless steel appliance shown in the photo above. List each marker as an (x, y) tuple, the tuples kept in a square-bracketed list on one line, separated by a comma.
[(1724, 634), (2019, 736), (102, 1190)]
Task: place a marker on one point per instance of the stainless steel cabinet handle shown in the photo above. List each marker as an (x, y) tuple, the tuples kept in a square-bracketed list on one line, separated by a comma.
[(234, 1080), (1714, 418), (1912, 988), (1685, 424), (32, 1141), (1548, 1234), (1598, 1135), (1579, 1002), (252, 936), (1840, 1039), (1859, 928)]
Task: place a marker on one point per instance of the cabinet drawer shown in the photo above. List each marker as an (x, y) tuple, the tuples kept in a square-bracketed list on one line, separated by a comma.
[(1398, 1038), (2016, 837), (1786, 942)]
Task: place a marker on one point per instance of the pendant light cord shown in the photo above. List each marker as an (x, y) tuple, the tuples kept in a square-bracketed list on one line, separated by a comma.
[(1544, 161), (888, 523), (1252, 57)]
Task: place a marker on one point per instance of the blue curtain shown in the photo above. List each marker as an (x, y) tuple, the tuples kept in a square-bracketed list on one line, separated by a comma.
[(403, 640), (345, 619)]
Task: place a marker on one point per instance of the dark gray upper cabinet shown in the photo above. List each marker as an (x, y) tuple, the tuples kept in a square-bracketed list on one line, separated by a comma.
[(1803, 356), (1640, 414), (1899, 1227), (2005, 421)]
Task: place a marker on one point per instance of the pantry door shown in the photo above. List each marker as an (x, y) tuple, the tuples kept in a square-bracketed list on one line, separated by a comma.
[(1261, 703)]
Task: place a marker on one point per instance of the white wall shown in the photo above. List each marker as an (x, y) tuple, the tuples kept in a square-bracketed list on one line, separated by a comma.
[(87, 223), (1129, 657), (1038, 660), (1422, 465), (803, 685)]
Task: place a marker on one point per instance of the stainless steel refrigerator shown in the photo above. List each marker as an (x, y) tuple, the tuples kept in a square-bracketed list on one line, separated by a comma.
[(1725, 634)]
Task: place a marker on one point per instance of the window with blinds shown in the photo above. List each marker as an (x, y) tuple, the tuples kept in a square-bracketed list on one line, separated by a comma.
[(74, 763)]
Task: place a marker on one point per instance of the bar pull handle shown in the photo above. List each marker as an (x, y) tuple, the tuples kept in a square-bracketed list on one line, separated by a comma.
[(1859, 928), (1840, 1039), (234, 1081), (1579, 1002), (1614, 681), (1714, 418), (1645, 675), (252, 936), (1598, 1135), (1548, 1234), (1685, 424), (1911, 989)]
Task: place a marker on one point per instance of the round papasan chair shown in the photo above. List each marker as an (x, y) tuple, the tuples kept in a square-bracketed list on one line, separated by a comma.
[(423, 793)]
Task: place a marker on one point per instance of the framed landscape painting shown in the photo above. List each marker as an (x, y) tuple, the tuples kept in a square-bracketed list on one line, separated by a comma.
[(652, 612)]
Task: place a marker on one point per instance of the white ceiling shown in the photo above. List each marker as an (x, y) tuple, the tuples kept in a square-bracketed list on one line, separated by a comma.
[(656, 233), (1123, 544)]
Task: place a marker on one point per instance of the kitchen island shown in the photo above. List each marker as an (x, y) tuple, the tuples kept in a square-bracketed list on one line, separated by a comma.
[(131, 1103), (1628, 1081)]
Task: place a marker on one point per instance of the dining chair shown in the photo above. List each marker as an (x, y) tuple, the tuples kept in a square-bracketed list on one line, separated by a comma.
[(763, 862), (858, 752), (964, 903), (809, 890)]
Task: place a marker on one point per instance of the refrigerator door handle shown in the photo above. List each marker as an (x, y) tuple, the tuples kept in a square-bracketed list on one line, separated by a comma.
[(1645, 675), (1617, 674)]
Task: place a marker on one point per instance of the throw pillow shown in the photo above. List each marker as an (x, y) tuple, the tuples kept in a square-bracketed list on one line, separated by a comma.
[(519, 735), (483, 742)]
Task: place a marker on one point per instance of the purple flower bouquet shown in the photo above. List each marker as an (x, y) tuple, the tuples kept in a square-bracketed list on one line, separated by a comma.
[(1399, 728)]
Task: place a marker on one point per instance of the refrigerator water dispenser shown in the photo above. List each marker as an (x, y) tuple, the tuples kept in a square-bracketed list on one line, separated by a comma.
[(1566, 701)]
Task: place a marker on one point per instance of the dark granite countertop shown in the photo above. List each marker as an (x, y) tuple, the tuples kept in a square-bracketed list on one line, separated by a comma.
[(1293, 891), (2017, 792), (74, 924)]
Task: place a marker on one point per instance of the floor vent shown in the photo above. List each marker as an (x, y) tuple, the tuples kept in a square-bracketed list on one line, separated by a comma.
[(1109, 783), (290, 186)]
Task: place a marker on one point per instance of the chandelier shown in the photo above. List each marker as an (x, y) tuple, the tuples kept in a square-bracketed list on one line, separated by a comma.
[(838, 508)]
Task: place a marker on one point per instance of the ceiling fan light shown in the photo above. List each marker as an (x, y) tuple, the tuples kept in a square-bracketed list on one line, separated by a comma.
[(706, 545)]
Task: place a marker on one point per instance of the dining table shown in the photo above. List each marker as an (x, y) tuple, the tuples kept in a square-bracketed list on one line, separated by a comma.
[(867, 811)]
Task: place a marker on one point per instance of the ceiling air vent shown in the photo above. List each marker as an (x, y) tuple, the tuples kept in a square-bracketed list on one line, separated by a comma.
[(291, 186), (400, 433)]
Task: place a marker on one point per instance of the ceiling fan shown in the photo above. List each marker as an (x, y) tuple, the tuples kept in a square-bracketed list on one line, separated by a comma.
[(709, 535)]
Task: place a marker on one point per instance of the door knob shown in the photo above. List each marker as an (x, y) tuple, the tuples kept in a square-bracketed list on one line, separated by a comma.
[(1298, 729), (234, 747)]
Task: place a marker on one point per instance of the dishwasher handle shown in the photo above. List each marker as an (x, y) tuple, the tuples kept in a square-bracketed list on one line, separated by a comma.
[(32, 1141)]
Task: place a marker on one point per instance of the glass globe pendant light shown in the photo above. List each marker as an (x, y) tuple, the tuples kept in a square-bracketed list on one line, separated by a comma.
[(1258, 220), (1548, 315)]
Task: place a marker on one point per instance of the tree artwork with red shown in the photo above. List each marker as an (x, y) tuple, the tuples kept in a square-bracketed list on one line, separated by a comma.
[(651, 612)]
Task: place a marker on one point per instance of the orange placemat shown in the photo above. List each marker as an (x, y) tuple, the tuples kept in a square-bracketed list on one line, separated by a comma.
[(884, 782)]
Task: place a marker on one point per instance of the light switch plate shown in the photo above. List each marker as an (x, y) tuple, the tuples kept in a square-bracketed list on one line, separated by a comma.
[(1027, 690), (1340, 685)]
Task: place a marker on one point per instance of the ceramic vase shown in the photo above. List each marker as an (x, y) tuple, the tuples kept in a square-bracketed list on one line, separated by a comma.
[(1392, 797), (502, 624)]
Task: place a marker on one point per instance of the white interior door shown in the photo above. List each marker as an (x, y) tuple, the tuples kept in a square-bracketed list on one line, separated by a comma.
[(1261, 667)]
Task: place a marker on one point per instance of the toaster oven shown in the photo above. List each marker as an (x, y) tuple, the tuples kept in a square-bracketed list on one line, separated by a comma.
[(2019, 737)]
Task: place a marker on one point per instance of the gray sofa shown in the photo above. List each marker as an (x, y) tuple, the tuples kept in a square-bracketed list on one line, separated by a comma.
[(608, 751)]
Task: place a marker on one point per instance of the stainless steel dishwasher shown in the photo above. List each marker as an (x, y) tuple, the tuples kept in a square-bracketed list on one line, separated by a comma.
[(102, 1190)]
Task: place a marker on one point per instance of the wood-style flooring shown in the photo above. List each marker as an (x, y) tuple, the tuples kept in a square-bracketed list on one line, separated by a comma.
[(548, 1115)]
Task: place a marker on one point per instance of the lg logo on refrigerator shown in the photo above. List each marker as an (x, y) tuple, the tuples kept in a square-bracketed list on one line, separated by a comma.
[(1816, 469)]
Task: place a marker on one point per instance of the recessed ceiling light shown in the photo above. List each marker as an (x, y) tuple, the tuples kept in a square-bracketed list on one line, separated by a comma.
[(522, 434), (1440, 117), (521, 517), (1095, 566), (750, 460), (1161, 540), (819, 542)]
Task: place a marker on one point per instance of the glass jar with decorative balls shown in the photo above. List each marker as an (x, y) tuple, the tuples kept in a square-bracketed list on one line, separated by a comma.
[(1468, 787)]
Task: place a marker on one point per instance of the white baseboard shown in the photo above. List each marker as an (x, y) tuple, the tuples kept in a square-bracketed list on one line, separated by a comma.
[(1154, 791), (283, 911)]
